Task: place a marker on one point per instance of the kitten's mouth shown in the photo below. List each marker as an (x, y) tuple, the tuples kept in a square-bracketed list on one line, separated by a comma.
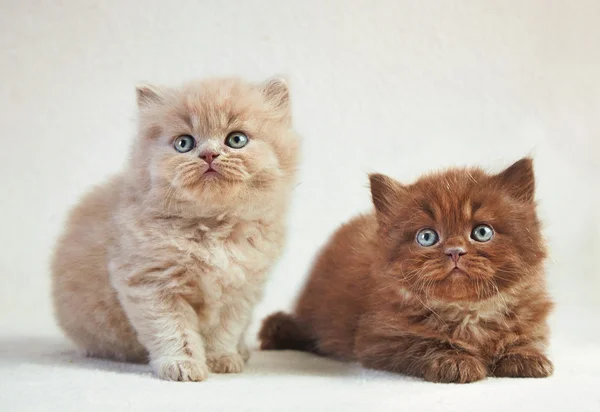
[(210, 172), (457, 273)]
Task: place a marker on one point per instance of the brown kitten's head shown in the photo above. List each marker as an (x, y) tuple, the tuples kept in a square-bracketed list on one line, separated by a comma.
[(460, 235), (218, 145)]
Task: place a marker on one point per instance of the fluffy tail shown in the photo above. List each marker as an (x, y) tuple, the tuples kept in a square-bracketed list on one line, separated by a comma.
[(281, 331)]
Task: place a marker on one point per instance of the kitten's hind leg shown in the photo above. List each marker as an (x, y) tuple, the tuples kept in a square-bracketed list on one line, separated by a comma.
[(131, 357)]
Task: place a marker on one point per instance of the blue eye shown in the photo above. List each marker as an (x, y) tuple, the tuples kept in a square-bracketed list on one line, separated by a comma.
[(427, 237), (236, 140), (184, 143), (482, 233)]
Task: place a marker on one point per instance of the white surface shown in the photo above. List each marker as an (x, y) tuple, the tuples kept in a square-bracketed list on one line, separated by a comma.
[(399, 87), (43, 374)]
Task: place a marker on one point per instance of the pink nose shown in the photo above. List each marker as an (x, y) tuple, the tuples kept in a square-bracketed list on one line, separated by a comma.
[(455, 253), (208, 157)]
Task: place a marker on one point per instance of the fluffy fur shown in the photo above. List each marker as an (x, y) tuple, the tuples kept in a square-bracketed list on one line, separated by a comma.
[(164, 263), (377, 296)]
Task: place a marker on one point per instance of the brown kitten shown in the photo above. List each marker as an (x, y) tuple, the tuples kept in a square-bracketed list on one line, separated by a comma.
[(165, 262), (444, 281)]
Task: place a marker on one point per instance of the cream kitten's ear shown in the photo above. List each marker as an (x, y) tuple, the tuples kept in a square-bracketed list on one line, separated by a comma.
[(277, 93), (148, 94), (386, 193), (519, 180)]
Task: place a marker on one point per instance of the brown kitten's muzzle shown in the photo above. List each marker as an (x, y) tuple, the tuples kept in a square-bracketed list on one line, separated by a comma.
[(454, 253), (455, 275)]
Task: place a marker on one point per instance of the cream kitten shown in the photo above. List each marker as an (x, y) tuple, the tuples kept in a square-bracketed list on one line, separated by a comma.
[(165, 262)]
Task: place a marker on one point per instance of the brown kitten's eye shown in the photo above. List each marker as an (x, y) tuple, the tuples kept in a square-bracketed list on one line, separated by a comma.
[(482, 233), (184, 143), (236, 140), (427, 237)]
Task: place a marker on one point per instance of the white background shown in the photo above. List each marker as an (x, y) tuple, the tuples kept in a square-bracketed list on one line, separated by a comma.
[(399, 87)]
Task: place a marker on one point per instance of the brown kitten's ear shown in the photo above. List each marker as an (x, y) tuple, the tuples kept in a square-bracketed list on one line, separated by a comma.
[(277, 93), (386, 193), (148, 94), (519, 180)]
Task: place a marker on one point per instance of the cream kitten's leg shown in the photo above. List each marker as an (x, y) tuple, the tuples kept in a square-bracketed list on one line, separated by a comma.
[(243, 348), (226, 351), (168, 327)]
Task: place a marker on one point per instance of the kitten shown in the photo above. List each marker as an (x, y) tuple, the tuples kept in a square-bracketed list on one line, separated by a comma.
[(165, 262), (444, 281)]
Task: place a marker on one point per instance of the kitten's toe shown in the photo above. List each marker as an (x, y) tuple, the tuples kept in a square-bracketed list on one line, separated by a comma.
[(455, 369), (182, 370), (523, 366), (225, 363)]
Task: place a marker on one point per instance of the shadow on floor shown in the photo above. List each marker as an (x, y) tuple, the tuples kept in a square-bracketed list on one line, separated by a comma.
[(58, 352)]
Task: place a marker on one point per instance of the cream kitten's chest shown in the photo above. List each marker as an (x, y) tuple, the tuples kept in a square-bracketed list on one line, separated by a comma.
[(229, 262)]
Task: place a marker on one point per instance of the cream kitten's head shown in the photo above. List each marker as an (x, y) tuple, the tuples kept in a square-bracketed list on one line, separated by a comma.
[(216, 146)]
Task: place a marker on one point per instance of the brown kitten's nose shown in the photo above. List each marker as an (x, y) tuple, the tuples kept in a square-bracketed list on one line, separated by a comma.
[(208, 157), (455, 253)]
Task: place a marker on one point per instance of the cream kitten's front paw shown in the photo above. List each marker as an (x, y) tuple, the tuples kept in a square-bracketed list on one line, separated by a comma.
[(225, 363), (182, 370), (244, 351)]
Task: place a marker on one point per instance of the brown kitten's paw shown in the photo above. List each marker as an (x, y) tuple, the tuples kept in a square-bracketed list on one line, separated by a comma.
[(182, 370), (523, 366), (455, 369), (225, 363)]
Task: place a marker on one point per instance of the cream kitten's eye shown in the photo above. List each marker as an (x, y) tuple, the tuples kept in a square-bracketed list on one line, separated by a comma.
[(482, 233), (236, 140), (184, 143), (427, 237)]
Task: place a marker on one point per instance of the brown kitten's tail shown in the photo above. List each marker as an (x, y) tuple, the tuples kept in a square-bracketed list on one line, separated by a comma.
[(281, 331)]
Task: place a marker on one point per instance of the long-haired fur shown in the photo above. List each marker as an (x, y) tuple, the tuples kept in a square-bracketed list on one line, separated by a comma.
[(165, 262), (456, 311)]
